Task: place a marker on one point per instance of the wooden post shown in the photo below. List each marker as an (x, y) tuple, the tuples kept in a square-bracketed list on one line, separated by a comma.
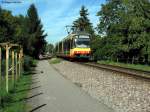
[(0, 76), (13, 68), (21, 58), (0, 67), (19, 68), (7, 65), (16, 65)]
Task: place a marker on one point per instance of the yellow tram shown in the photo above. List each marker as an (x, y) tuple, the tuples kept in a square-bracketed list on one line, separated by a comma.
[(74, 46)]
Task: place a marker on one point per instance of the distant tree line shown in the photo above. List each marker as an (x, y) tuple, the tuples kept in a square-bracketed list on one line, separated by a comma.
[(24, 30), (123, 31)]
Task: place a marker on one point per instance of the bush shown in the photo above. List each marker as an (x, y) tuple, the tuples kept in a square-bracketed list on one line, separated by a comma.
[(29, 62)]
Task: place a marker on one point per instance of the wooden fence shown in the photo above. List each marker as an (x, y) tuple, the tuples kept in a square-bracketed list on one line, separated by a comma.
[(13, 56)]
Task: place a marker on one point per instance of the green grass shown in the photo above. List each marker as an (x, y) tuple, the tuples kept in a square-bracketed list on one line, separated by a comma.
[(14, 101), (133, 66), (54, 60), (34, 63)]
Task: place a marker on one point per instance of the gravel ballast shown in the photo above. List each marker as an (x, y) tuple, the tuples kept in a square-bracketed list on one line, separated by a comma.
[(121, 92)]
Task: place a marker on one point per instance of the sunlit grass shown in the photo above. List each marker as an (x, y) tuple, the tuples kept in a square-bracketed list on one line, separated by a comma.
[(133, 66), (54, 60), (14, 100)]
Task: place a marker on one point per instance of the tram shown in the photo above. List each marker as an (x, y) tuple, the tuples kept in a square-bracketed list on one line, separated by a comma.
[(75, 46)]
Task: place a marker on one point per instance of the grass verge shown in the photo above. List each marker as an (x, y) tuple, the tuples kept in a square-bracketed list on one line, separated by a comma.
[(15, 101), (54, 60), (132, 66)]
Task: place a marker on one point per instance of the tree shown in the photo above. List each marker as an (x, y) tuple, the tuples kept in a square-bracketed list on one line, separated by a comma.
[(50, 48), (110, 16), (7, 25), (83, 23), (125, 24), (26, 31), (36, 39)]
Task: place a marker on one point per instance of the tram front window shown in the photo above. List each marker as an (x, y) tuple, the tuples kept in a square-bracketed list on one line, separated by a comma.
[(82, 42)]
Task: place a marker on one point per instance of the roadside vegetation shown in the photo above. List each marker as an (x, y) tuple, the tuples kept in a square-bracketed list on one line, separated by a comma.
[(123, 31), (54, 60), (15, 101), (132, 66), (28, 32), (24, 30)]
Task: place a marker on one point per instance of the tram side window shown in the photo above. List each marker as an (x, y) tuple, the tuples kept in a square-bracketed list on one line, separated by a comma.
[(68, 45), (73, 43), (65, 46)]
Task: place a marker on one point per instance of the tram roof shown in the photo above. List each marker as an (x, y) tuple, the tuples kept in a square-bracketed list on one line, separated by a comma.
[(72, 35)]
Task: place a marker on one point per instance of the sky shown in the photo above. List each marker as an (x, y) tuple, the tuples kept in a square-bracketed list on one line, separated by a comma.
[(56, 14)]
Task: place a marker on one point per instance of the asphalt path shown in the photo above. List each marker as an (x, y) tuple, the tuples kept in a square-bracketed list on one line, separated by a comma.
[(51, 92)]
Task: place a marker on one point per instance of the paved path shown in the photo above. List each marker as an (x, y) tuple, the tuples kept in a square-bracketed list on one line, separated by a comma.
[(51, 92)]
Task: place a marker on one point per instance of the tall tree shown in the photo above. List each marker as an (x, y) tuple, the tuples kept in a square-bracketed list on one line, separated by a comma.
[(83, 23), (36, 39), (126, 24), (6, 26), (27, 31), (50, 48), (109, 19)]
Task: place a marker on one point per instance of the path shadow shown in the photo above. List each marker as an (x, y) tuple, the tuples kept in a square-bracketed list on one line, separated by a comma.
[(27, 89), (27, 98), (30, 83), (32, 96), (35, 78), (38, 107), (30, 73)]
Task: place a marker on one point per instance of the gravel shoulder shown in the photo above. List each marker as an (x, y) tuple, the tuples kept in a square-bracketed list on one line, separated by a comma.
[(121, 92)]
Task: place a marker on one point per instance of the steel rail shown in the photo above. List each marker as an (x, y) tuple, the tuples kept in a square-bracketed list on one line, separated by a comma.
[(128, 71)]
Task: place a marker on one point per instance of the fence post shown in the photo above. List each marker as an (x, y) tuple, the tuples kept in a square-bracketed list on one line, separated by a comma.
[(19, 65), (0, 77), (16, 65), (13, 67), (0, 67), (7, 65)]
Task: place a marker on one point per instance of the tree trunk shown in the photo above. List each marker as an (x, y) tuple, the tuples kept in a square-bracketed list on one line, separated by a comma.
[(146, 59), (133, 60)]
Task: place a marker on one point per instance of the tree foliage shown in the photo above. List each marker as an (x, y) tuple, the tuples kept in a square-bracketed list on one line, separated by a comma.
[(125, 26), (83, 23), (36, 36), (25, 30), (50, 48)]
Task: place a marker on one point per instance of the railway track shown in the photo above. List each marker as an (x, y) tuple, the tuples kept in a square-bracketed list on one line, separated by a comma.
[(128, 71)]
